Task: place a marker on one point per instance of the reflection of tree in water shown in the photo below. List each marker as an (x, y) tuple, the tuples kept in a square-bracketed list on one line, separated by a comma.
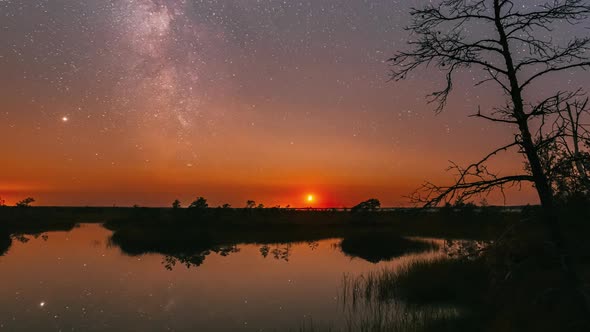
[(24, 238), (469, 249), (264, 250), (6, 240), (5, 243), (283, 251), (376, 247), (196, 259), (280, 251), (313, 245)]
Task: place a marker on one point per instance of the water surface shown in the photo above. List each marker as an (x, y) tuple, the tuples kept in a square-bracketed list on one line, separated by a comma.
[(79, 281)]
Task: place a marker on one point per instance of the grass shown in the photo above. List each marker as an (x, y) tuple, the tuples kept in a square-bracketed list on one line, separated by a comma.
[(442, 281), (422, 295), (518, 284), (377, 302), (532, 291), (396, 317), (421, 282)]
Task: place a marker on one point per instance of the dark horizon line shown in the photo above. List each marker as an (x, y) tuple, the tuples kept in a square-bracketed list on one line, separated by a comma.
[(253, 208)]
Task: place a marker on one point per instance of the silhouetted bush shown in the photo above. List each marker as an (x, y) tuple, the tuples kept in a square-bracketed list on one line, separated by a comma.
[(370, 205), (199, 203), (176, 204), (25, 202)]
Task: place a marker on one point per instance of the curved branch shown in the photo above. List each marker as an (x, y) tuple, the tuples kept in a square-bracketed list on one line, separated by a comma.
[(554, 69)]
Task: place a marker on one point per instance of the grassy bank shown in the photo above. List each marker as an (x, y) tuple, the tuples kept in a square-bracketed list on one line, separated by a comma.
[(188, 233), (468, 223), (516, 284)]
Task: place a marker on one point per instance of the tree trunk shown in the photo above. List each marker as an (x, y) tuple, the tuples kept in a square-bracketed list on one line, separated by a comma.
[(539, 177)]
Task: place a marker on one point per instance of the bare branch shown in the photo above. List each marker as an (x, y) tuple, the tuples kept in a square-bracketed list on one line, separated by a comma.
[(520, 54), (472, 180), (582, 65), (480, 115), (430, 195)]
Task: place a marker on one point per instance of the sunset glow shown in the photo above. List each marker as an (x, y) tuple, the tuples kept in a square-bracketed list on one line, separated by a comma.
[(137, 102)]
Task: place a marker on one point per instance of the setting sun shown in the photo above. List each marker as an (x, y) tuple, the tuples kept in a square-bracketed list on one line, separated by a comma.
[(310, 198)]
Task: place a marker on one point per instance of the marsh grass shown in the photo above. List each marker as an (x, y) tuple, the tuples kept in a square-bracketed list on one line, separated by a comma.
[(438, 281), (394, 315), (429, 293), (423, 281)]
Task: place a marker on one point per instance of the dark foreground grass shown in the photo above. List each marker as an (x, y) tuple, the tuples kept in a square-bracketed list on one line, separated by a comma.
[(426, 294), (457, 282), (376, 302), (531, 290), (518, 284)]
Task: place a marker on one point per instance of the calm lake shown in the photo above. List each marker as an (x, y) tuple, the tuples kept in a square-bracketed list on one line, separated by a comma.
[(79, 281)]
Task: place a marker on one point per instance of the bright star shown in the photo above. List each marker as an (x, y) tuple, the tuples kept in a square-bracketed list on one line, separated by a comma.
[(65, 119)]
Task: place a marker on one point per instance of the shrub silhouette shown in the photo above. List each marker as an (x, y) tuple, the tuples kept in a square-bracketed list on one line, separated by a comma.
[(25, 202), (176, 204), (369, 205), (199, 203)]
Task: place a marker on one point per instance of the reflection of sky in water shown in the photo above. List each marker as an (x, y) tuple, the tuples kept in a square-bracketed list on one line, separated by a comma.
[(76, 281)]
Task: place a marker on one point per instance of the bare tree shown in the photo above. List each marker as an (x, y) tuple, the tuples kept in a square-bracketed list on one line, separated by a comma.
[(516, 53), (563, 146), (443, 40)]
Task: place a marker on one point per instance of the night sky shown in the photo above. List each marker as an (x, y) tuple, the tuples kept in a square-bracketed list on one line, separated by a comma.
[(127, 102)]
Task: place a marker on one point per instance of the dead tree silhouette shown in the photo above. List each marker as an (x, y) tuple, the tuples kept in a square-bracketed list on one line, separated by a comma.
[(517, 54)]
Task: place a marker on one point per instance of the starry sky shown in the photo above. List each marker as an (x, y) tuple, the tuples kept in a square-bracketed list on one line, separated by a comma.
[(143, 101)]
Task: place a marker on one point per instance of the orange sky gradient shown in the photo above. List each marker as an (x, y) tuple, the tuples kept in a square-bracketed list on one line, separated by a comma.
[(231, 101)]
